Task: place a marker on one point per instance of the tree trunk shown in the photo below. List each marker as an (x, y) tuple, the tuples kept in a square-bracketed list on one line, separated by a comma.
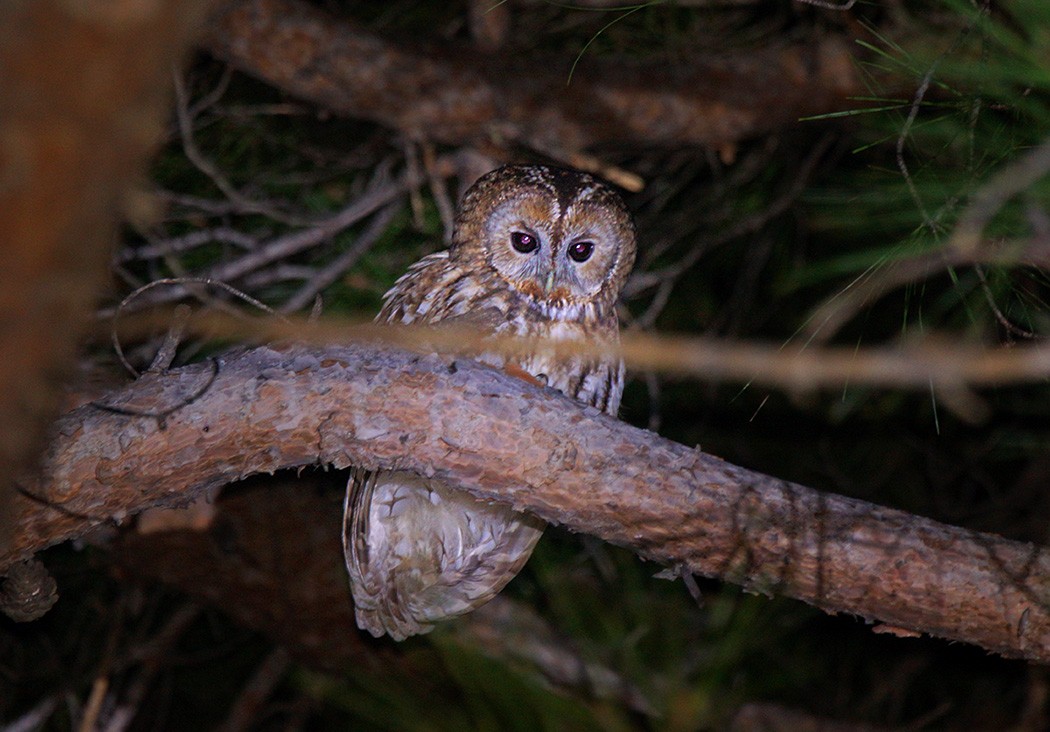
[(83, 96)]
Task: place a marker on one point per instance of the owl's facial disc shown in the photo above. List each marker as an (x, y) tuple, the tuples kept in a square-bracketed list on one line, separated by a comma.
[(558, 237), (550, 254)]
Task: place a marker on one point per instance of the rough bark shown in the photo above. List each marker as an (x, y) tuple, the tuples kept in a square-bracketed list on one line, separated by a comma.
[(462, 94), (82, 99), (167, 437)]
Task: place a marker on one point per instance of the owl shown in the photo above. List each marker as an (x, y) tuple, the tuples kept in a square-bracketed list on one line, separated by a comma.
[(536, 251)]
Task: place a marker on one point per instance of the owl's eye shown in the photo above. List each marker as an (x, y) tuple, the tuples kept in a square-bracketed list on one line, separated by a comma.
[(581, 251), (523, 242)]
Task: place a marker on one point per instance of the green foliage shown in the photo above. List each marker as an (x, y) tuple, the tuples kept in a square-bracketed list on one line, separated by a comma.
[(923, 157)]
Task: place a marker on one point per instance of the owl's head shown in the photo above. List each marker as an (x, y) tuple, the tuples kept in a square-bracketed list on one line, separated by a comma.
[(560, 237)]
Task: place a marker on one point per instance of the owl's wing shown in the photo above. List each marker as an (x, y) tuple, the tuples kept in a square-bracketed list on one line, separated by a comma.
[(365, 586), (419, 552), (484, 319)]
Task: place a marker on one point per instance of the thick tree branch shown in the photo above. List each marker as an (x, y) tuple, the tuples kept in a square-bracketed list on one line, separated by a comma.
[(458, 95), (167, 437)]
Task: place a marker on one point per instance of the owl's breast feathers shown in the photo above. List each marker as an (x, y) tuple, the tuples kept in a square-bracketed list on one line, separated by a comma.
[(437, 289)]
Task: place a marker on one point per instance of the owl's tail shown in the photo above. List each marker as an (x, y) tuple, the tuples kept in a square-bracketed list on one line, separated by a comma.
[(419, 552)]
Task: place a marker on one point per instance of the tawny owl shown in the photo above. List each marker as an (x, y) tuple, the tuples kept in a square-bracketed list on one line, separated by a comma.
[(536, 251)]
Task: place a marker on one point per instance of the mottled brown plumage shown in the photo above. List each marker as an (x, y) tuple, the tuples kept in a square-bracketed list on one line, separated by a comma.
[(537, 251)]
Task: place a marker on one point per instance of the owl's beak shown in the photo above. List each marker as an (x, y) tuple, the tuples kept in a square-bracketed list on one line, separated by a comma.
[(549, 284)]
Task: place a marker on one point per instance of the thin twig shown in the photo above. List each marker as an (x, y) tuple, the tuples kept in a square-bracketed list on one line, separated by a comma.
[(414, 179), (187, 242), (152, 656), (652, 386), (244, 711), (882, 278), (578, 159), (913, 113), (194, 155), (166, 353), (212, 98), (827, 5), (1010, 328), (93, 708), (100, 687), (445, 207), (335, 269), (378, 195), (180, 281), (644, 280), (279, 272), (199, 204)]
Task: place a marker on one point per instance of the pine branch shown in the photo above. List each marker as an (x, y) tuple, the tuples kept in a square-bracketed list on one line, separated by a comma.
[(166, 438), (460, 94)]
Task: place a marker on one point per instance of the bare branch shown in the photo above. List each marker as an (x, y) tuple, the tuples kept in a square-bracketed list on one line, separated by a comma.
[(192, 240), (930, 363), (166, 353), (503, 439), (127, 704), (381, 193), (460, 95), (335, 269), (184, 115), (36, 717), (667, 277)]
